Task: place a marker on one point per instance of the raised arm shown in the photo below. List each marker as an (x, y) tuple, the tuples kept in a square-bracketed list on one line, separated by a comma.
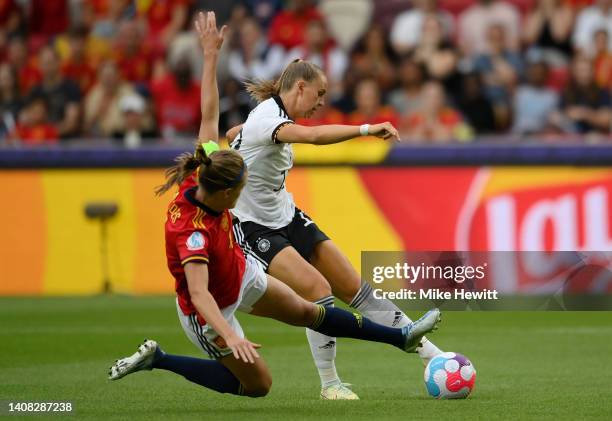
[(211, 40), (334, 133), (205, 304)]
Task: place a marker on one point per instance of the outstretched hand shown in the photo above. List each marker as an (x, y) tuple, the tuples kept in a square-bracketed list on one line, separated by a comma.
[(211, 38), (243, 349), (384, 131)]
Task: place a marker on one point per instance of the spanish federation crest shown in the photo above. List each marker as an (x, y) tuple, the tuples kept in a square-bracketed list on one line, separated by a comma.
[(195, 241)]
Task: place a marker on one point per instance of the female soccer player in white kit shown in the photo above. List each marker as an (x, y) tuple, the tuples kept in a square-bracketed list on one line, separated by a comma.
[(282, 237)]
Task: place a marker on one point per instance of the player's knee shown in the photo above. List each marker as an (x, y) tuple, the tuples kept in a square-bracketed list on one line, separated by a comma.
[(259, 389), (347, 290), (316, 290)]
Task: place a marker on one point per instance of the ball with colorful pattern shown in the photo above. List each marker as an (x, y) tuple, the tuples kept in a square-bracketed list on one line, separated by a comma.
[(450, 376)]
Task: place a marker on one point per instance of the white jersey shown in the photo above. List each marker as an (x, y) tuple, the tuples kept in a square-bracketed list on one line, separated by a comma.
[(265, 200)]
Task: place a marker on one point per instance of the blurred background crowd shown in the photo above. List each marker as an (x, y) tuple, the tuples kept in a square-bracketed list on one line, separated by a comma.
[(440, 70)]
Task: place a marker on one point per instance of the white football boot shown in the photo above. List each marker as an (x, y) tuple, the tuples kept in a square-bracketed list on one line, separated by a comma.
[(416, 330), (339, 392), (140, 360)]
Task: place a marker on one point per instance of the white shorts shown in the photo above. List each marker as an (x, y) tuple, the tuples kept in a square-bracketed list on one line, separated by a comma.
[(254, 284)]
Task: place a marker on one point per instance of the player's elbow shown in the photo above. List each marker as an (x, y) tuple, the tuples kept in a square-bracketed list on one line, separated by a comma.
[(311, 135)]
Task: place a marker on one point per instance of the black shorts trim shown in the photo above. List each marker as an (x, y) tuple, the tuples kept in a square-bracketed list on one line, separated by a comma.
[(264, 243)]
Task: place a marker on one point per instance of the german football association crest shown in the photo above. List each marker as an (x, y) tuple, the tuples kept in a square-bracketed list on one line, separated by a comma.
[(195, 241), (263, 245)]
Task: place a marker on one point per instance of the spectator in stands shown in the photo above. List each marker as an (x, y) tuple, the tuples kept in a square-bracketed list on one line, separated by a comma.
[(385, 11), (78, 66), (602, 60), (548, 27), (165, 18), (374, 57), (234, 106), (223, 9), (135, 128), (10, 100), (319, 49), (253, 57), (25, 65), (105, 16), (47, 19), (408, 26), (323, 115), (370, 109), (590, 20), (436, 53), (288, 27), (103, 116), (34, 127), (585, 107), (501, 69), (409, 96), (177, 101), (435, 121), (11, 21), (61, 94), (133, 55), (475, 21), (264, 10), (474, 104), (534, 102)]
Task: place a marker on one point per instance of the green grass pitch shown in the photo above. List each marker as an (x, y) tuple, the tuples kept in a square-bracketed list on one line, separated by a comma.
[(536, 365)]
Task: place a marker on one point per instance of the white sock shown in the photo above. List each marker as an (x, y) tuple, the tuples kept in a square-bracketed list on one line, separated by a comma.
[(323, 350), (386, 313)]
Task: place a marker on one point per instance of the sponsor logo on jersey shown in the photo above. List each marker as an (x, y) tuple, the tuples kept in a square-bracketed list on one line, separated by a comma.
[(263, 245), (195, 241)]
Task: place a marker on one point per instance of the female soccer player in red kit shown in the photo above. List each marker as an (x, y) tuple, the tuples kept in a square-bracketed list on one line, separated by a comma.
[(213, 278)]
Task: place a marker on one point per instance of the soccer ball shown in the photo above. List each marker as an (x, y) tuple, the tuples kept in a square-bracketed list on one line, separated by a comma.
[(450, 376)]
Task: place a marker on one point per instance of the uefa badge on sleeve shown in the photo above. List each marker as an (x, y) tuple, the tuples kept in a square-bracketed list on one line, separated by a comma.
[(195, 241)]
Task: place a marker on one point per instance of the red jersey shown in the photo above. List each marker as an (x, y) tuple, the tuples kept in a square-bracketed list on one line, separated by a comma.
[(81, 72), (383, 114), (196, 233), (287, 27), (179, 109), (159, 13), (46, 134)]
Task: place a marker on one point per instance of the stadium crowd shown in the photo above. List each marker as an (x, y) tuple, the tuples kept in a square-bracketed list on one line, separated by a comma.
[(440, 70)]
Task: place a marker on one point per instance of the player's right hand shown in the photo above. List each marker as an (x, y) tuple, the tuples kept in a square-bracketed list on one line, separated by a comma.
[(243, 349), (385, 131), (209, 36)]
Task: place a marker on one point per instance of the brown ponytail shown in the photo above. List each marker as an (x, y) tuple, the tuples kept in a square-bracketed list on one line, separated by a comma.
[(221, 170), (260, 90)]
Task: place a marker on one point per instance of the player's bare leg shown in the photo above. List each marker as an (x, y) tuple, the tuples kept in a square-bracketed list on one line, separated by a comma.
[(308, 283), (254, 377), (347, 285), (282, 303), (227, 375)]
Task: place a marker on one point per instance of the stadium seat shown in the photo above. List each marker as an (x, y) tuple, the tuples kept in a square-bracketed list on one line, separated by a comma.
[(347, 20)]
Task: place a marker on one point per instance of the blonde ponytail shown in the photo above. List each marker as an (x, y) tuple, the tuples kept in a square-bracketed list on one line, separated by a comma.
[(260, 90)]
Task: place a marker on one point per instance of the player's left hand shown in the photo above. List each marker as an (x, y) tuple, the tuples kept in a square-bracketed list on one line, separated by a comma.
[(384, 131), (211, 39), (243, 349)]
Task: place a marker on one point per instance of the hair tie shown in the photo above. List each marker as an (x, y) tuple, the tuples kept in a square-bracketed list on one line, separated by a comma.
[(209, 147)]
